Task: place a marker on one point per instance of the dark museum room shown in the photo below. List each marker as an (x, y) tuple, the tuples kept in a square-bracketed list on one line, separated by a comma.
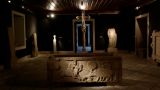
[(80, 45)]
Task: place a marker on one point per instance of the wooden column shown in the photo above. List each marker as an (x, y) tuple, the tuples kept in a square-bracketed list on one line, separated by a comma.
[(83, 31)]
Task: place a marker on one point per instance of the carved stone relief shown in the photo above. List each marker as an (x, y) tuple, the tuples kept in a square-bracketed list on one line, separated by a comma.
[(156, 46), (83, 70)]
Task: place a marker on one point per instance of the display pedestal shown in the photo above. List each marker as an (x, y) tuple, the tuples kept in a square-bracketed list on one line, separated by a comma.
[(112, 50), (34, 45)]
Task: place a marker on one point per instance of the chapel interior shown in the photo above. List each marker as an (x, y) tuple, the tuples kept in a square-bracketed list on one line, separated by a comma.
[(80, 45)]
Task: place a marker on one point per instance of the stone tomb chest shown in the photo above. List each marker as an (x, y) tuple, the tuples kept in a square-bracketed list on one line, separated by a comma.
[(84, 68)]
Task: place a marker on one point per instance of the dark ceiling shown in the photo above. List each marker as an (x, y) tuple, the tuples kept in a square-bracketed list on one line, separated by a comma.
[(93, 6)]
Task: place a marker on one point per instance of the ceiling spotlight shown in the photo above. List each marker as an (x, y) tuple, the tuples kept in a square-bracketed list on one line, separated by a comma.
[(51, 6), (9, 1), (23, 7), (48, 16), (137, 8), (82, 5), (81, 2), (52, 15)]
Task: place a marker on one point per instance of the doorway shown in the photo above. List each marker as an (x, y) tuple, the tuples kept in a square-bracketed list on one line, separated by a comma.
[(90, 36), (79, 44), (19, 32), (142, 36)]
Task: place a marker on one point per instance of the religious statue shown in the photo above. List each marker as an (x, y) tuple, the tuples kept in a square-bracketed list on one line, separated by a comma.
[(112, 37), (112, 41)]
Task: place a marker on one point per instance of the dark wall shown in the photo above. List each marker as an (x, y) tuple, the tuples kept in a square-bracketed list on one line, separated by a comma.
[(31, 27), (4, 23), (61, 26), (127, 29), (127, 23), (154, 12), (154, 19), (102, 24)]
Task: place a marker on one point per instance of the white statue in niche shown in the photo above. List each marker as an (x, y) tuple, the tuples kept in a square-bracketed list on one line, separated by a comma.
[(112, 37)]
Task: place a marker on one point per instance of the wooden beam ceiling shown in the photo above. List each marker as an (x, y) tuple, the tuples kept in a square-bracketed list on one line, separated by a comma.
[(93, 6)]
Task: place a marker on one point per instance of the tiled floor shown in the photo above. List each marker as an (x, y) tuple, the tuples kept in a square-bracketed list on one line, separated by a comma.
[(138, 74)]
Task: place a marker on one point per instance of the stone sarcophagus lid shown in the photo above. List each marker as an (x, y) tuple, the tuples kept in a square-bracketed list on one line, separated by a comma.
[(84, 69)]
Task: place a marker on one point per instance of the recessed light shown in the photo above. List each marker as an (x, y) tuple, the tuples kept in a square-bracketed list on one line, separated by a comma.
[(51, 6), (82, 5), (48, 16), (138, 7), (23, 7), (52, 15), (9, 1)]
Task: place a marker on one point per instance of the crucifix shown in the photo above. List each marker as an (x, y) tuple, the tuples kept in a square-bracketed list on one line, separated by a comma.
[(83, 31)]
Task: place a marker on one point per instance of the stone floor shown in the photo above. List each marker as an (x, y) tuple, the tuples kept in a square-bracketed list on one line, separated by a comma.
[(138, 74)]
